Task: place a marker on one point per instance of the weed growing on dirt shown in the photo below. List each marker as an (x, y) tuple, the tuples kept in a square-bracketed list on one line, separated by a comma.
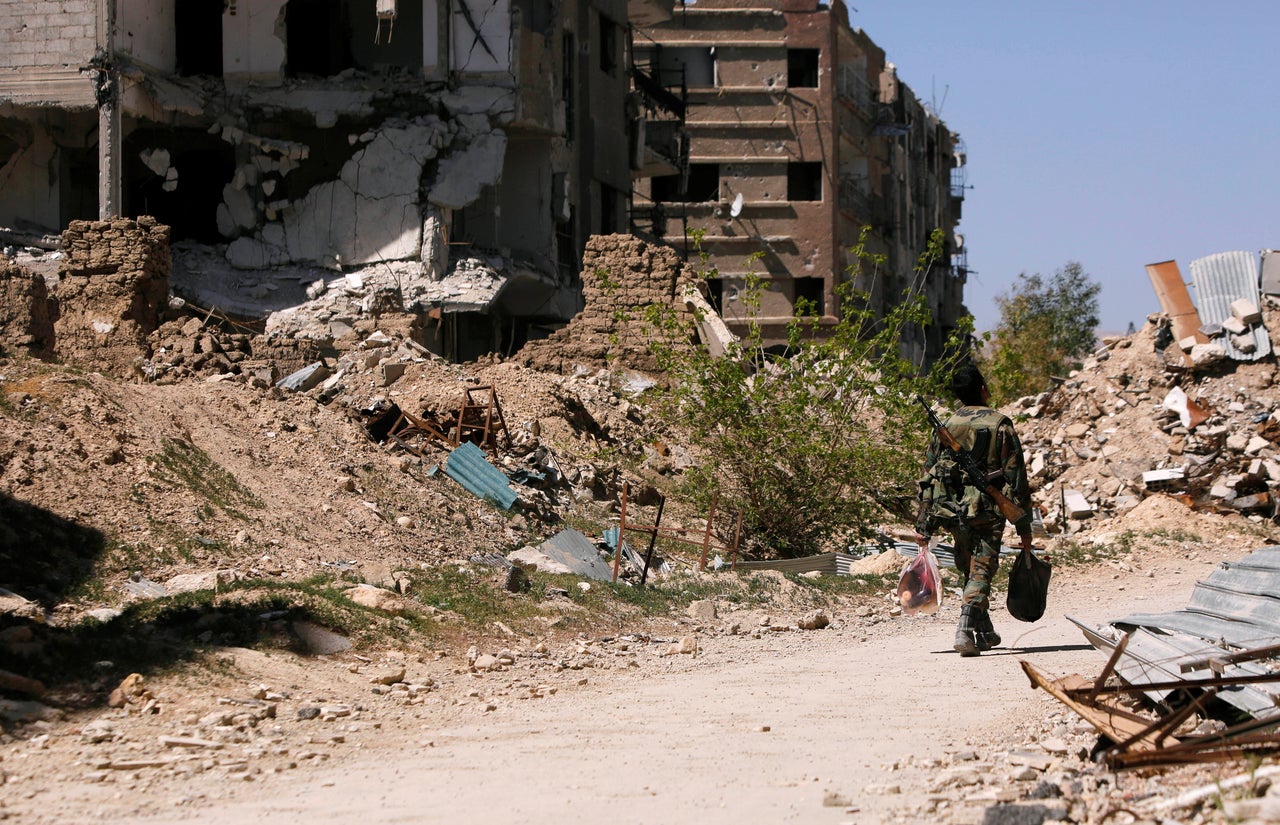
[(182, 464)]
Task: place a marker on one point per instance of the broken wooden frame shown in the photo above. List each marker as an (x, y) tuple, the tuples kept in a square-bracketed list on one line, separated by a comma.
[(682, 534), (1143, 742), (479, 420)]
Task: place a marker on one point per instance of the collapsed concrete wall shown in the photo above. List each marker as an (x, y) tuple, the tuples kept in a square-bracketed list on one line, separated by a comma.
[(26, 313), (621, 277), (113, 285)]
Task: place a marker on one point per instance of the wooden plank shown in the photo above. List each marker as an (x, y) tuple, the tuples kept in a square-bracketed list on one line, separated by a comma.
[(1176, 302), (1117, 724)]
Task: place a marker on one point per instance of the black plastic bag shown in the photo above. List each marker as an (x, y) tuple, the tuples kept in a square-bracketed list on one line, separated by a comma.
[(1028, 587)]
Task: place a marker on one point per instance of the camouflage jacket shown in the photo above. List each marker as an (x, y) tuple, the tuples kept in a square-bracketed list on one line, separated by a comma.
[(947, 497)]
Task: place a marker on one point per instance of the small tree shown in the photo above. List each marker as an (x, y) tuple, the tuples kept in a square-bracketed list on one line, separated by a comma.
[(814, 447), (1046, 327)]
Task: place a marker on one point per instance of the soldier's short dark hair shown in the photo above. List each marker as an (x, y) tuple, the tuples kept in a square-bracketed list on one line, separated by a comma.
[(967, 384)]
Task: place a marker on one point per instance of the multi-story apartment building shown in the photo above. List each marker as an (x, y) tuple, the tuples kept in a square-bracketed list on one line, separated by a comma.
[(799, 135), (289, 142)]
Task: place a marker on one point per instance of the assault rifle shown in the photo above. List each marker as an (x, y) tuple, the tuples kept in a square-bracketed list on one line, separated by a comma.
[(970, 465)]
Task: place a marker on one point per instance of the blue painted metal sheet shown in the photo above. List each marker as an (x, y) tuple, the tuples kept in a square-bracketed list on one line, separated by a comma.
[(468, 466), (1222, 279)]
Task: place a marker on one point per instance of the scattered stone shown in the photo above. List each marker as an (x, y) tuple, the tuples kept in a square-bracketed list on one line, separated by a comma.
[(388, 677), (702, 610), (815, 620)]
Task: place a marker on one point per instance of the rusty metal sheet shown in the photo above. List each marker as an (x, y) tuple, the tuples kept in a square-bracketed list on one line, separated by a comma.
[(467, 466), (1175, 301), (1222, 279)]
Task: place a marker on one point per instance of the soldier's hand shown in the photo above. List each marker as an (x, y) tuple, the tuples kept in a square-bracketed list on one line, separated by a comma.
[(1026, 542), (922, 541)]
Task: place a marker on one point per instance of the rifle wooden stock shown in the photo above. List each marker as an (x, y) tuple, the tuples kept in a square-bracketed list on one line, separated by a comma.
[(1008, 509)]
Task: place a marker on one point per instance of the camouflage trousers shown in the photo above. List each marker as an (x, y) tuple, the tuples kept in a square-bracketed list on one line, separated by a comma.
[(977, 551)]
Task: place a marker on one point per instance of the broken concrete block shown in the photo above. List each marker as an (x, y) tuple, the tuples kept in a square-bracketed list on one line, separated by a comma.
[(391, 372), (1169, 478), (1256, 445), (1244, 343), (1205, 355), (1078, 429), (1188, 343), (306, 378), (1211, 330), (1255, 501), (1234, 326), (1222, 491), (1246, 310), (1078, 507)]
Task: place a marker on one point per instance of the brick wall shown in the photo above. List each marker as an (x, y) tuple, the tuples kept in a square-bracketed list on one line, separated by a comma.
[(26, 314), (48, 33), (113, 286), (621, 276)]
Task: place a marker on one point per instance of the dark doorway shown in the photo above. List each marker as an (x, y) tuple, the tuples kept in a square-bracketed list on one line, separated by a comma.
[(317, 41), (77, 184)]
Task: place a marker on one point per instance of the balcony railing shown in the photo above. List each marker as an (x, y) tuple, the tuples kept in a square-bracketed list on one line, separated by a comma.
[(854, 86)]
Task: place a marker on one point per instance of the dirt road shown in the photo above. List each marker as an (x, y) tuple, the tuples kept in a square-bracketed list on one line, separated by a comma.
[(749, 730)]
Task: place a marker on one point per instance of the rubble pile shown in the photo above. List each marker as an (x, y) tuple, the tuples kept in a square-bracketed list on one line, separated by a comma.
[(1133, 422)]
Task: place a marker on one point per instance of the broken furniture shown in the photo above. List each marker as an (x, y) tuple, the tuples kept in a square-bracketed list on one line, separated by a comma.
[(702, 538), (479, 421), (1219, 658)]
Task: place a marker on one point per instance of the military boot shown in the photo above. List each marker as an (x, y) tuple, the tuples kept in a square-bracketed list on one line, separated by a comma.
[(984, 632), (966, 644)]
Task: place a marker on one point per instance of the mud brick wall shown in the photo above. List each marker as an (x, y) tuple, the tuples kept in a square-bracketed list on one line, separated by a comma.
[(621, 276), (26, 312), (113, 285)]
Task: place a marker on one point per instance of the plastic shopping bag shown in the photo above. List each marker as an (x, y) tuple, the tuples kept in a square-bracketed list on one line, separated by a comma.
[(1028, 587), (920, 585)]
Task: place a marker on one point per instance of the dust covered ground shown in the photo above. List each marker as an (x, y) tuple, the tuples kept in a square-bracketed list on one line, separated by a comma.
[(198, 472)]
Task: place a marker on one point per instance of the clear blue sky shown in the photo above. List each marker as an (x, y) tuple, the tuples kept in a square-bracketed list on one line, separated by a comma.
[(1115, 134)]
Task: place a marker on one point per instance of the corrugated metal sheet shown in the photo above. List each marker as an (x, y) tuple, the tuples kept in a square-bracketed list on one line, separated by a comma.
[(468, 466), (1236, 608), (576, 552), (1222, 279), (833, 564), (635, 557)]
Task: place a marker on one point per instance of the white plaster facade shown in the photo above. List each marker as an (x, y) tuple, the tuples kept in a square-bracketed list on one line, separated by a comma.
[(295, 138)]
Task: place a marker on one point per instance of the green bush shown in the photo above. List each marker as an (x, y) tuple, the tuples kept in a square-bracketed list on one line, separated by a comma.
[(815, 447)]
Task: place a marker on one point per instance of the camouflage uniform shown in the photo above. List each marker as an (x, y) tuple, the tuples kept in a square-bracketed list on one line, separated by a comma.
[(948, 500)]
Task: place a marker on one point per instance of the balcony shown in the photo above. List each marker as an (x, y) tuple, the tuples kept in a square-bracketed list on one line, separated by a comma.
[(852, 85)]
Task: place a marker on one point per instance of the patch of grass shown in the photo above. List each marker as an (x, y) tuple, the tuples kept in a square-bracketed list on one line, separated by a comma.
[(838, 586), (464, 592), (182, 464)]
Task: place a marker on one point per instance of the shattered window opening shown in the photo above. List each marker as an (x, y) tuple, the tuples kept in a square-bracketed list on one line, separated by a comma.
[(608, 46), (813, 292), (804, 181), (802, 68), (703, 185)]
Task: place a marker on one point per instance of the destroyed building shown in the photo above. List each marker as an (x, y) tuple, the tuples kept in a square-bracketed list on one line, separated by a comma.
[(800, 134), (324, 160)]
